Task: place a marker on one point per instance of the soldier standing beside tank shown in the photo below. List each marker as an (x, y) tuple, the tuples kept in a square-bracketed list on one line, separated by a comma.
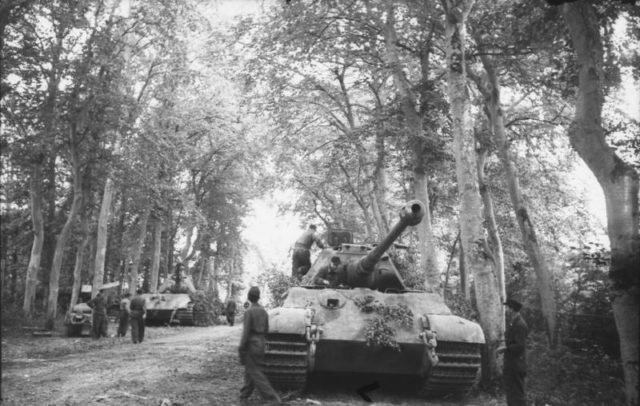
[(515, 366), (230, 311), (100, 323), (301, 258), (138, 314), (251, 351), (125, 310)]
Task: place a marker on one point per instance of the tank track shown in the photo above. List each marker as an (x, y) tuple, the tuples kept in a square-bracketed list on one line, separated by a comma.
[(458, 369), (286, 361), (185, 316)]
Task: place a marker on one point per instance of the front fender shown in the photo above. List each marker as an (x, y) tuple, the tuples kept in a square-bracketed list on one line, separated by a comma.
[(287, 320)]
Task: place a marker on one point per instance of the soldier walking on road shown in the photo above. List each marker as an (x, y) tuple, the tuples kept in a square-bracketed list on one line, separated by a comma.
[(125, 313), (138, 314), (251, 351), (230, 311), (301, 258), (515, 365), (100, 323)]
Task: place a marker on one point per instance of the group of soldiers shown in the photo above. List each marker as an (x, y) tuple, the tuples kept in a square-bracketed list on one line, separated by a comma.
[(132, 311), (251, 350)]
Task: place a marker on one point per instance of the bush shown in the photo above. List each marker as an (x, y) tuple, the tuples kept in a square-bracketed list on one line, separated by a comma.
[(207, 308), (560, 377)]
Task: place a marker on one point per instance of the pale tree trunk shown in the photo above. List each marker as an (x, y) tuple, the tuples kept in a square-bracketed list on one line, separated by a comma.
[(31, 281), (472, 238), (618, 180), (495, 243), (428, 256), (213, 266), (80, 254), (61, 241), (491, 93), (137, 251), (101, 239), (203, 267), (155, 261), (184, 254)]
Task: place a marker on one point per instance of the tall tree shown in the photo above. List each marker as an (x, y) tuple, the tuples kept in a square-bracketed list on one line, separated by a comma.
[(619, 182), (414, 125), (477, 257)]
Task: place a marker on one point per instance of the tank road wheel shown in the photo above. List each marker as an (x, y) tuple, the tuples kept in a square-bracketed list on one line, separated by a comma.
[(457, 371), (286, 361), (185, 316)]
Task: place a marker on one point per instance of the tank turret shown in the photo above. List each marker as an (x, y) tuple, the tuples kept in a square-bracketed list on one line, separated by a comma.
[(366, 265), (370, 271)]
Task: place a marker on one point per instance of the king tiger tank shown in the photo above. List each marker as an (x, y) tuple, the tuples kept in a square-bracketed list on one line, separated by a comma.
[(369, 322)]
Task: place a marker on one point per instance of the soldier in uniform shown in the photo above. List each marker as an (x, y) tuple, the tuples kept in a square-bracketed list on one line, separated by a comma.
[(100, 323), (301, 258), (251, 351), (230, 311), (515, 366), (138, 314), (125, 311), (331, 275)]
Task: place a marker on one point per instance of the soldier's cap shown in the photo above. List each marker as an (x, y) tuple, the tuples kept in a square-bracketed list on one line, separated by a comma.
[(514, 304), (313, 226), (254, 294), (335, 259)]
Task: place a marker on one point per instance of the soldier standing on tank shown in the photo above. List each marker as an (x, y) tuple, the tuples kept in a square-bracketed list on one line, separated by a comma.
[(301, 258), (230, 311), (251, 351), (100, 323), (138, 314), (515, 366)]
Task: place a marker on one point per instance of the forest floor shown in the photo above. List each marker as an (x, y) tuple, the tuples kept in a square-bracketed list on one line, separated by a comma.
[(174, 366)]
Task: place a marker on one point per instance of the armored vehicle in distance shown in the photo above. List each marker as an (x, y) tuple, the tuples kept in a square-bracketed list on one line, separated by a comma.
[(172, 304)]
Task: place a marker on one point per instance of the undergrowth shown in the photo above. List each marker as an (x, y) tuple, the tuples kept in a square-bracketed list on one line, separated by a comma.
[(562, 377)]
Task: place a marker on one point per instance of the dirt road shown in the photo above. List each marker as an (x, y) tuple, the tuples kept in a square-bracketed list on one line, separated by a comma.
[(174, 366)]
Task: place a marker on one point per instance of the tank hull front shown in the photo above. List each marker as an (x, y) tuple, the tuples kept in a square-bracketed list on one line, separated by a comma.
[(338, 331), (348, 356)]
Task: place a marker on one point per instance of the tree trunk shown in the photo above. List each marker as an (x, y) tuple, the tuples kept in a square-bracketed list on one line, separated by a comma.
[(472, 238), (495, 243), (428, 257), (137, 251), (61, 241), (213, 266), (31, 280), (491, 92), (379, 199), (155, 263), (80, 254), (101, 239), (618, 180)]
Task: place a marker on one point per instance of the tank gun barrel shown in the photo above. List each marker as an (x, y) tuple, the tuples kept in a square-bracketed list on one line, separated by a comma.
[(410, 215)]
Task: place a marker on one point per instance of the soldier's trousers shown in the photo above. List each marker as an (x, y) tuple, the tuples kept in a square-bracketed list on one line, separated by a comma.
[(514, 387), (231, 318), (300, 262), (137, 326), (99, 327), (124, 324), (254, 378)]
